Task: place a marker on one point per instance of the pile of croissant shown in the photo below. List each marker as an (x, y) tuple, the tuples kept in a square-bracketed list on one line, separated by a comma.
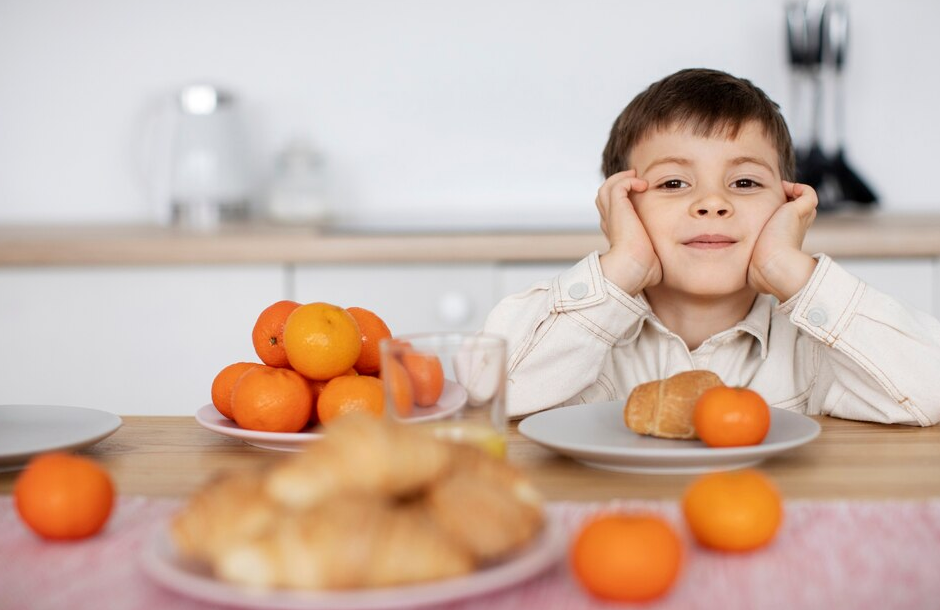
[(371, 504)]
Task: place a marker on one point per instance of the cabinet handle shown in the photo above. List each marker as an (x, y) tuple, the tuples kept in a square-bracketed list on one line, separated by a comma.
[(454, 308)]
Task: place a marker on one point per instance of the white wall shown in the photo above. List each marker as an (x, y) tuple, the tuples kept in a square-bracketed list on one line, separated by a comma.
[(442, 111)]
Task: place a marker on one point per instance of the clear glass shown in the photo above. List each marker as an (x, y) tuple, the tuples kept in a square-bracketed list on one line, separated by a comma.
[(453, 384)]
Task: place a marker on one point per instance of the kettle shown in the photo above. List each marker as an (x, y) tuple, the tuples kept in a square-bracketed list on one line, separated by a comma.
[(193, 161), (210, 180)]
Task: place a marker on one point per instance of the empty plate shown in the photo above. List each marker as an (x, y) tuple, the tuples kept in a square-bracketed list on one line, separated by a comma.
[(28, 430)]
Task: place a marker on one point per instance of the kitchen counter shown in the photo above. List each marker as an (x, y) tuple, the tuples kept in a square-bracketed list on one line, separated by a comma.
[(877, 234)]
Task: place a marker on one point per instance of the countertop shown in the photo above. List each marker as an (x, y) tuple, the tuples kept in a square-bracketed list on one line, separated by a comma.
[(850, 234), (173, 456)]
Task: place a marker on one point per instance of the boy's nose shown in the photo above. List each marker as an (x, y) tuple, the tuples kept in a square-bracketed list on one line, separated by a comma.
[(712, 206)]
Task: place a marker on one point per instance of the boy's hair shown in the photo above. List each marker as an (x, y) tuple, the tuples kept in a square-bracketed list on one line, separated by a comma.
[(709, 102)]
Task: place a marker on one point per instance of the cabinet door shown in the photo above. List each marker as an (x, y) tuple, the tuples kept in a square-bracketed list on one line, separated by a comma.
[(909, 280), (141, 340), (410, 298)]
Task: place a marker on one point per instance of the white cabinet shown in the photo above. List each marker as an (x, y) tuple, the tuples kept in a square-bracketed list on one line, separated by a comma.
[(410, 298), (130, 340), (150, 339)]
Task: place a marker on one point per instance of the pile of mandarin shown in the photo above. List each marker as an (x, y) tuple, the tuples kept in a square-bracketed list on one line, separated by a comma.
[(318, 362)]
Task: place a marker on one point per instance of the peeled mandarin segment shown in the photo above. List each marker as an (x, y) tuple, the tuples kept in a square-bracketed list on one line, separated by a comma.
[(427, 377)]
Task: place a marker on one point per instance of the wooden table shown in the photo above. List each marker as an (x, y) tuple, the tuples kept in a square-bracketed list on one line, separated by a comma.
[(172, 456)]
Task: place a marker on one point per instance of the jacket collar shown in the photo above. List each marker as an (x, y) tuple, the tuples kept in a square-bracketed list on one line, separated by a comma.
[(755, 323)]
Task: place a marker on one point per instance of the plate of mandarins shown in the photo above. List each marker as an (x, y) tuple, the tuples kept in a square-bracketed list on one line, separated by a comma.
[(595, 435), (452, 399), (318, 361)]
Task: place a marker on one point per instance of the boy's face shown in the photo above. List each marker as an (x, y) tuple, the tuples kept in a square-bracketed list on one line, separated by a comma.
[(707, 201)]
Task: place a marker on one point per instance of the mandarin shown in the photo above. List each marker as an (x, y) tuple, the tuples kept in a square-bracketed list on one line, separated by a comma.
[(268, 333), (733, 511), (427, 377), (316, 388), (344, 395), (373, 330), (223, 384), (322, 340), (64, 497), (272, 399), (398, 381), (730, 417), (626, 558)]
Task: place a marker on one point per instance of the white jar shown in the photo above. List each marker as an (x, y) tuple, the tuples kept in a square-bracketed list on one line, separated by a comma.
[(299, 190)]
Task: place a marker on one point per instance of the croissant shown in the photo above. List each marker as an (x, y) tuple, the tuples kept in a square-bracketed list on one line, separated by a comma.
[(481, 517), (346, 543), (232, 506), (372, 504), (664, 407), (359, 454)]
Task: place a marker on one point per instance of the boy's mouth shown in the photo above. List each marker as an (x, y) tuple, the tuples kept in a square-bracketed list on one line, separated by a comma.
[(710, 242)]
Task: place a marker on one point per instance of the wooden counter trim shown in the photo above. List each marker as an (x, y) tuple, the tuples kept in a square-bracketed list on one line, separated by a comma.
[(874, 235)]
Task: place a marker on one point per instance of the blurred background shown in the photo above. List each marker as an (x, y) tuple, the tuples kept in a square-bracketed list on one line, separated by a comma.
[(415, 113)]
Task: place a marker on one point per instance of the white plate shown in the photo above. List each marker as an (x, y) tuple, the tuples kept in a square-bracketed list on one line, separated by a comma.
[(596, 435), (161, 562), (452, 399), (28, 430)]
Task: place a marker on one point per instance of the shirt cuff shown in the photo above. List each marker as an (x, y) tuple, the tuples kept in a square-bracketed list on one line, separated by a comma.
[(824, 307), (587, 295)]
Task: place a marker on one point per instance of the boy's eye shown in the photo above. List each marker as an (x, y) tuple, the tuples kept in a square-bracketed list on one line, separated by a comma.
[(673, 184), (745, 183)]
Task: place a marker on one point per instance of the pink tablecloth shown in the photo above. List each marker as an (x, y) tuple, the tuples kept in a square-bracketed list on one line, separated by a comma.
[(879, 555)]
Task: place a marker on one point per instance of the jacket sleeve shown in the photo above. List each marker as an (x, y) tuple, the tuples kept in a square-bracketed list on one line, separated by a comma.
[(877, 359), (560, 333)]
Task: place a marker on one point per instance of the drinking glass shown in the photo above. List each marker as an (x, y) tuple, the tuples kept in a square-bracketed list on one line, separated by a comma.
[(452, 384)]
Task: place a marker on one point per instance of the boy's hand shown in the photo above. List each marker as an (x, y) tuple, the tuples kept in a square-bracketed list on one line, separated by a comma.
[(631, 262), (778, 266)]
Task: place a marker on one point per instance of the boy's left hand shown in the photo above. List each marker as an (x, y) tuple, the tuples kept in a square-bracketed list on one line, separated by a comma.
[(778, 265)]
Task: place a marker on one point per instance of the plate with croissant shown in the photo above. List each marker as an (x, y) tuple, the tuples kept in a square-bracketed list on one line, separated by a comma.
[(652, 433), (453, 398), (376, 515)]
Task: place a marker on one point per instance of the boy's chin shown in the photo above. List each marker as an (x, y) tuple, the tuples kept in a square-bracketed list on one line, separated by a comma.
[(707, 287)]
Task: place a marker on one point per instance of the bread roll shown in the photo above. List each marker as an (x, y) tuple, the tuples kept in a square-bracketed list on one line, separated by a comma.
[(664, 407)]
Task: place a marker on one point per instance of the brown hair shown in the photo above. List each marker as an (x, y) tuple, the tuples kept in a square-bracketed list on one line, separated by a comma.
[(708, 101)]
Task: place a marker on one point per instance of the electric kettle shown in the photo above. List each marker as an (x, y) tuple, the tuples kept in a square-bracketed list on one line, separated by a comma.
[(210, 181)]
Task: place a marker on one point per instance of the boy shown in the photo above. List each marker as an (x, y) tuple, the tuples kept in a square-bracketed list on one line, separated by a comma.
[(705, 271)]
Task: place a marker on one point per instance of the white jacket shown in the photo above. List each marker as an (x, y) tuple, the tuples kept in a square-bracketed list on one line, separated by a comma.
[(838, 347)]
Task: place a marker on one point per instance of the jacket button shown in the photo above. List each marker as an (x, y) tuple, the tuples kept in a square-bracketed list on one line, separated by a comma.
[(578, 290), (816, 316)]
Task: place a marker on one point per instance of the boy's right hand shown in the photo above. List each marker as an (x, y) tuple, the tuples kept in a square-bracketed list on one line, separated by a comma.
[(631, 262)]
